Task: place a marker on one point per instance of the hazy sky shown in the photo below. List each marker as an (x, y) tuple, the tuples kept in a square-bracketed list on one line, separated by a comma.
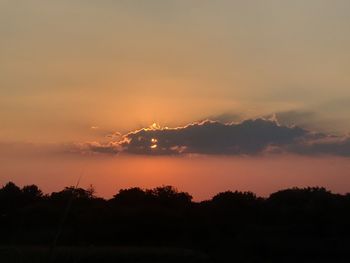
[(76, 71), (120, 65)]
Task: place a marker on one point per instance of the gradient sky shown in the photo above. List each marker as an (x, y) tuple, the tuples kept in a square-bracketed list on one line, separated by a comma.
[(75, 72)]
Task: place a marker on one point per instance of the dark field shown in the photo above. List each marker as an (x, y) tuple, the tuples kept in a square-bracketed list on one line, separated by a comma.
[(100, 254), (165, 225), (248, 251)]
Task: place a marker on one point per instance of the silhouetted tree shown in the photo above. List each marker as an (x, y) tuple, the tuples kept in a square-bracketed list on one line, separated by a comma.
[(235, 199), (300, 196), (131, 196), (73, 193), (165, 216), (31, 193), (168, 195), (10, 190), (10, 197)]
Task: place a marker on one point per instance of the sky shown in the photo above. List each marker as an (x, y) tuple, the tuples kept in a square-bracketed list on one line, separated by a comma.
[(208, 95)]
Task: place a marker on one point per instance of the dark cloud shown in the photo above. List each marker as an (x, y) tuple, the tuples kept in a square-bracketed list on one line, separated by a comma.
[(248, 137), (329, 145)]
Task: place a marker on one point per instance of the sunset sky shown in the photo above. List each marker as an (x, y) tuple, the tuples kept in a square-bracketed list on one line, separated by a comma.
[(203, 95)]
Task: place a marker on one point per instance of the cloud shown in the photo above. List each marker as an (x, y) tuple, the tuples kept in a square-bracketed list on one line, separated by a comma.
[(249, 137), (321, 119), (292, 117), (328, 145), (114, 136), (94, 148), (226, 117)]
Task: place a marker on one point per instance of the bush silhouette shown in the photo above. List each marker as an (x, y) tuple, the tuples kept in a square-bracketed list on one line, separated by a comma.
[(164, 216)]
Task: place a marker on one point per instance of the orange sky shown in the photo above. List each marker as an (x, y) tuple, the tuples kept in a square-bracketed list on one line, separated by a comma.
[(201, 176), (121, 65), (72, 73)]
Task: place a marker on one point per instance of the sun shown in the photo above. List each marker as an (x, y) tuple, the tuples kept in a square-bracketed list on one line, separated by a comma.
[(155, 126)]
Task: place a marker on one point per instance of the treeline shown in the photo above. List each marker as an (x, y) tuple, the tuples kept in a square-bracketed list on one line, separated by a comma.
[(313, 219)]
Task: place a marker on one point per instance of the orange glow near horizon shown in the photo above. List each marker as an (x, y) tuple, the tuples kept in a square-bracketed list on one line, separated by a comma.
[(157, 79), (201, 176)]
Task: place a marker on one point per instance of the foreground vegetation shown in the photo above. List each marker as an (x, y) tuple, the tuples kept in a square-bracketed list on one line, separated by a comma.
[(165, 225)]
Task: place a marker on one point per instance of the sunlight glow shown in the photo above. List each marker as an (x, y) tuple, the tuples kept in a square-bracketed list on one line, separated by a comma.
[(155, 126)]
